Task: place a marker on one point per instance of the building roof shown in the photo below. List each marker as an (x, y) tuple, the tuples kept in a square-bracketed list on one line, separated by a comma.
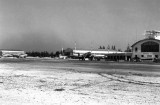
[(145, 40), (97, 51)]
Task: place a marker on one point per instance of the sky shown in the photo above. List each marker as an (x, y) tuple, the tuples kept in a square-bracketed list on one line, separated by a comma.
[(49, 25)]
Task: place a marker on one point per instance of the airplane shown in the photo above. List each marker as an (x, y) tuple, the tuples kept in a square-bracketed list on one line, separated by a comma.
[(91, 55), (7, 55), (85, 55), (15, 55), (22, 56), (62, 57)]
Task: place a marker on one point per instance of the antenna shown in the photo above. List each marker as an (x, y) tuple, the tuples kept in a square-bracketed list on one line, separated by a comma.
[(136, 34), (62, 50), (91, 46), (75, 45)]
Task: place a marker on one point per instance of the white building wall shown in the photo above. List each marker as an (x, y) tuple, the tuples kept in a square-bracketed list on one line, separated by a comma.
[(145, 55), (7, 53)]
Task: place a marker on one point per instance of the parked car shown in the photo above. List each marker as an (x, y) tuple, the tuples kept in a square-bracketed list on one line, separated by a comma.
[(136, 59)]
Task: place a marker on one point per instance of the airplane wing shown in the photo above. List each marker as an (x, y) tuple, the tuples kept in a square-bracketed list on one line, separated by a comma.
[(7, 55)]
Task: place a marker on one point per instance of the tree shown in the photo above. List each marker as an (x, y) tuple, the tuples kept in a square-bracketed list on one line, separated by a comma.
[(68, 52), (103, 47), (100, 47), (128, 49), (57, 53), (52, 54), (120, 50), (108, 47), (112, 47), (40, 54)]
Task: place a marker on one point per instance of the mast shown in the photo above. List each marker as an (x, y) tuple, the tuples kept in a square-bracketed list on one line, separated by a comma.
[(75, 45)]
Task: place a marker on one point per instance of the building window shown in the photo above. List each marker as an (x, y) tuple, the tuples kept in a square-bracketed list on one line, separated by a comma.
[(142, 55), (150, 47), (136, 49), (149, 56), (156, 56)]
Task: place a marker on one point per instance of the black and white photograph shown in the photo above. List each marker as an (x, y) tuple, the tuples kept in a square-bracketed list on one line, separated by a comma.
[(79, 52)]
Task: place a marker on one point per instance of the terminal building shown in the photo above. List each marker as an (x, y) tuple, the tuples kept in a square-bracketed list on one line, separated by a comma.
[(148, 48)]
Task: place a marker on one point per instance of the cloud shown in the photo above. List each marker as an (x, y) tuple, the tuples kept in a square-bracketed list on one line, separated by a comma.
[(52, 24)]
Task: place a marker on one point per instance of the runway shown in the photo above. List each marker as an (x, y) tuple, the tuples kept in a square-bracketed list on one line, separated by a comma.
[(55, 82)]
